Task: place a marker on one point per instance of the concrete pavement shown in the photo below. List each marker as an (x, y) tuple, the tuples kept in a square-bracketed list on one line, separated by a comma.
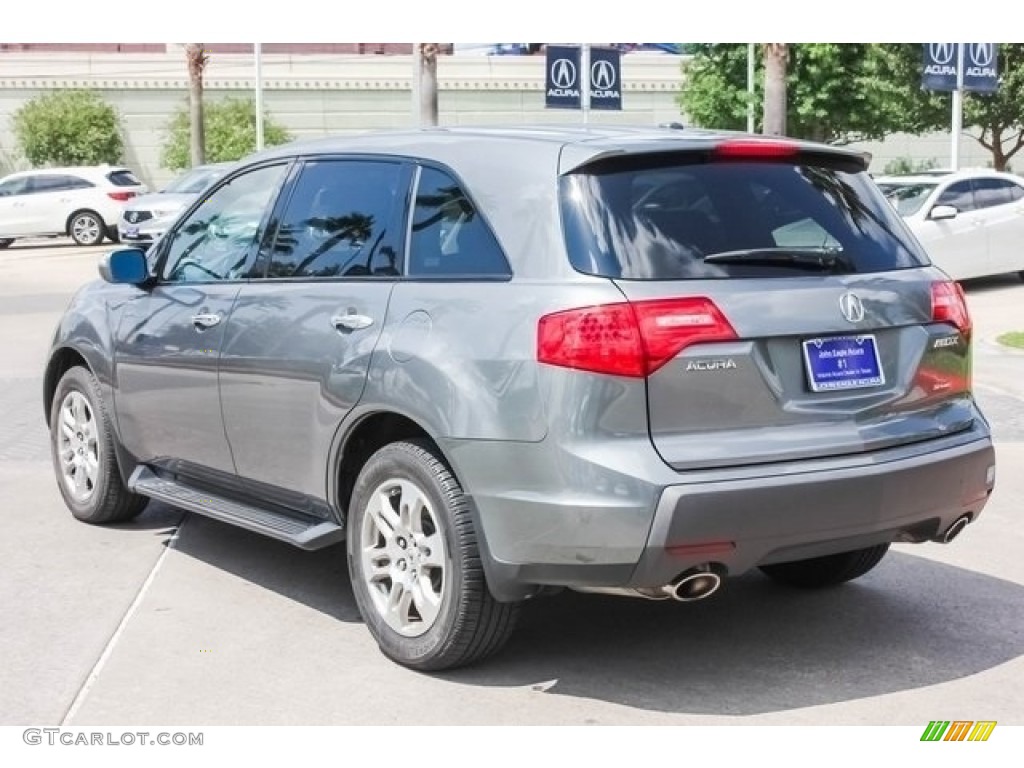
[(236, 629)]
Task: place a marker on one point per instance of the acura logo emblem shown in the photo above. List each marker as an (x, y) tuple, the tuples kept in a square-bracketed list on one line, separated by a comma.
[(851, 307), (942, 53), (563, 73), (132, 217), (602, 75), (982, 54)]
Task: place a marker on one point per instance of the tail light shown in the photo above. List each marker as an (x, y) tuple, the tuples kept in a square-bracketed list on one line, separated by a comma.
[(120, 196), (950, 306), (629, 339)]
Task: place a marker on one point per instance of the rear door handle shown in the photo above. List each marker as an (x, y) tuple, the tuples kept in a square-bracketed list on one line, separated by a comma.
[(202, 322), (351, 322)]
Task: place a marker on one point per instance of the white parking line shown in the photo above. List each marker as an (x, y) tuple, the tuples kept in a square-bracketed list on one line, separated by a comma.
[(101, 662)]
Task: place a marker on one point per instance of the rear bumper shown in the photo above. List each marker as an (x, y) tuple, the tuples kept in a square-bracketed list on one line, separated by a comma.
[(742, 524), (641, 524)]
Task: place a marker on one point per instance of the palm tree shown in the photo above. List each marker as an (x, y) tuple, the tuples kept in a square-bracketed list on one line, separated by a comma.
[(776, 59), (428, 82), (197, 59)]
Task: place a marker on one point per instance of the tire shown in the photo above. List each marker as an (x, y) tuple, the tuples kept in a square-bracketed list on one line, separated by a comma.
[(112, 234), (86, 228), (82, 447), (827, 571), (444, 615), (5, 242)]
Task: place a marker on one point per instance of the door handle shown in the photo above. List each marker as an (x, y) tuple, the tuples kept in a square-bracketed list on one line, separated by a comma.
[(202, 322), (351, 322)]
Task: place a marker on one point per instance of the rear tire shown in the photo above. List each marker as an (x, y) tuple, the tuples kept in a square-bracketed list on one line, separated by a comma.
[(826, 571), (415, 564), (82, 446), (86, 228)]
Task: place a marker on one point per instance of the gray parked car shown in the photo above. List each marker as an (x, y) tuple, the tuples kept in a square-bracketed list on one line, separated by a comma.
[(146, 218), (498, 362)]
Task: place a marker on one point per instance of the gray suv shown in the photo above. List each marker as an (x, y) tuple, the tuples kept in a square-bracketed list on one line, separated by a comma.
[(499, 362)]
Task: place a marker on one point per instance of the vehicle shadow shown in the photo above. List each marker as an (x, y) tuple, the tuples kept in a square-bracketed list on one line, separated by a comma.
[(755, 647), (317, 579)]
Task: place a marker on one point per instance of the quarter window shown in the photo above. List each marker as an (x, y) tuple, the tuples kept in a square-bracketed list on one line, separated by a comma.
[(449, 237), (215, 241), (992, 192)]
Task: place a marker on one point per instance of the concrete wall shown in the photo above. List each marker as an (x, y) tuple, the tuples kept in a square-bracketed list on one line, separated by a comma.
[(312, 95), (315, 94)]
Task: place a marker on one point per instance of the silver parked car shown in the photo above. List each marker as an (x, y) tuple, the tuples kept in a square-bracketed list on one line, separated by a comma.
[(498, 362), (147, 217)]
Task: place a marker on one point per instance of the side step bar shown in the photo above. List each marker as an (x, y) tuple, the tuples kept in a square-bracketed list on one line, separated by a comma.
[(301, 531)]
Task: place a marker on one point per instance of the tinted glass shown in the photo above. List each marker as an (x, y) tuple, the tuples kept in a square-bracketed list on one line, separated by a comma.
[(123, 179), (1016, 192), (213, 243), (195, 181), (991, 192), (658, 218), (57, 183), (907, 198), (449, 237), (342, 220), (14, 186), (959, 195)]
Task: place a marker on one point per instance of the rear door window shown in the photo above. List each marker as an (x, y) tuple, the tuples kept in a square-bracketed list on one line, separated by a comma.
[(992, 192), (669, 217)]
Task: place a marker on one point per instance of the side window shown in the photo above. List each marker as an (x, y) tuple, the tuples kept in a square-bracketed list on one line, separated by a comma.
[(213, 243), (57, 183), (958, 195), (17, 186), (448, 235), (992, 192), (1016, 192), (343, 220)]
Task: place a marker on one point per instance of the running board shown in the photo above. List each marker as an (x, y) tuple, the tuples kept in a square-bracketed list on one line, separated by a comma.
[(301, 531)]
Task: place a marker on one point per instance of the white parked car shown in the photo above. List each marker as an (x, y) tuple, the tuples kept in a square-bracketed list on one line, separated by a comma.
[(147, 217), (970, 222), (84, 203)]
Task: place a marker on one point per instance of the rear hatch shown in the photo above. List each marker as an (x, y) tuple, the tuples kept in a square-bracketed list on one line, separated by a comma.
[(782, 309)]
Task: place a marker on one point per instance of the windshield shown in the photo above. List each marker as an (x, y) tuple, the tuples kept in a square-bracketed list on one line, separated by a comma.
[(907, 198), (195, 181), (662, 217)]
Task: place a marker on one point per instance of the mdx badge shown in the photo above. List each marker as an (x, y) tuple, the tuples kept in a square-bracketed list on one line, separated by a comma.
[(851, 307)]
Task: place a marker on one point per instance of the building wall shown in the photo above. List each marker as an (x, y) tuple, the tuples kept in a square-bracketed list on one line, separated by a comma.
[(319, 91), (316, 94)]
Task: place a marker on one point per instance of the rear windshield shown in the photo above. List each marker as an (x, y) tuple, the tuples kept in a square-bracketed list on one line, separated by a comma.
[(123, 179), (659, 218)]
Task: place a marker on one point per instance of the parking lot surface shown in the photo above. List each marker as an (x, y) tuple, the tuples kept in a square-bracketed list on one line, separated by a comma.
[(174, 619)]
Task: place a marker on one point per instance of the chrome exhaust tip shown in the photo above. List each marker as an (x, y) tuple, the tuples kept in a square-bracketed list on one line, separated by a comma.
[(695, 585), (956, 528)]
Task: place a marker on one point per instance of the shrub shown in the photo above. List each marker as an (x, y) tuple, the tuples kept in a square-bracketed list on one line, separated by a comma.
[(230, 127), (68, 127), (903, 166)]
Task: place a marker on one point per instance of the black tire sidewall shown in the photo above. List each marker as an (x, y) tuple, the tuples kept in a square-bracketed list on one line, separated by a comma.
[(82, 381), (397, 461)]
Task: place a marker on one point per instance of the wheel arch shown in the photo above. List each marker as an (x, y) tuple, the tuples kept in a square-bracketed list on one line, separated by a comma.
[(375, 429), (61, 361)]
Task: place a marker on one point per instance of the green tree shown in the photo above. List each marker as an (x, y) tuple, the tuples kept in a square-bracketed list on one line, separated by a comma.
[(230, 132), (1000, 116), (836, 92), (68, 127)]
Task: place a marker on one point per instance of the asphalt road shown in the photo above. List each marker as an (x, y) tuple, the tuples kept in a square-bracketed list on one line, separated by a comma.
[(179, 620)]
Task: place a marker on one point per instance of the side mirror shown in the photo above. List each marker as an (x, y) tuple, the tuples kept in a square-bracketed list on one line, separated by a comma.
[(125, 265), (940, 212)]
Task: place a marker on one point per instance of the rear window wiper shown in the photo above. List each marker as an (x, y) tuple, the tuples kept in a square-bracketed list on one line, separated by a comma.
[(817, 259)]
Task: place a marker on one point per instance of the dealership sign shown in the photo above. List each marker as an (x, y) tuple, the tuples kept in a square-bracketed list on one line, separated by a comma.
[(565, 78), (942, 62)]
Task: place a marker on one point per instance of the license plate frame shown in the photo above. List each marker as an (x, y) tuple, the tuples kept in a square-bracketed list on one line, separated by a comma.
[(841, 363)]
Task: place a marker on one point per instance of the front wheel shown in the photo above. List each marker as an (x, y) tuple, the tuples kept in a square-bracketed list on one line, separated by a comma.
[(86, 228), (827, 571), (415, 564), (82, 444)]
